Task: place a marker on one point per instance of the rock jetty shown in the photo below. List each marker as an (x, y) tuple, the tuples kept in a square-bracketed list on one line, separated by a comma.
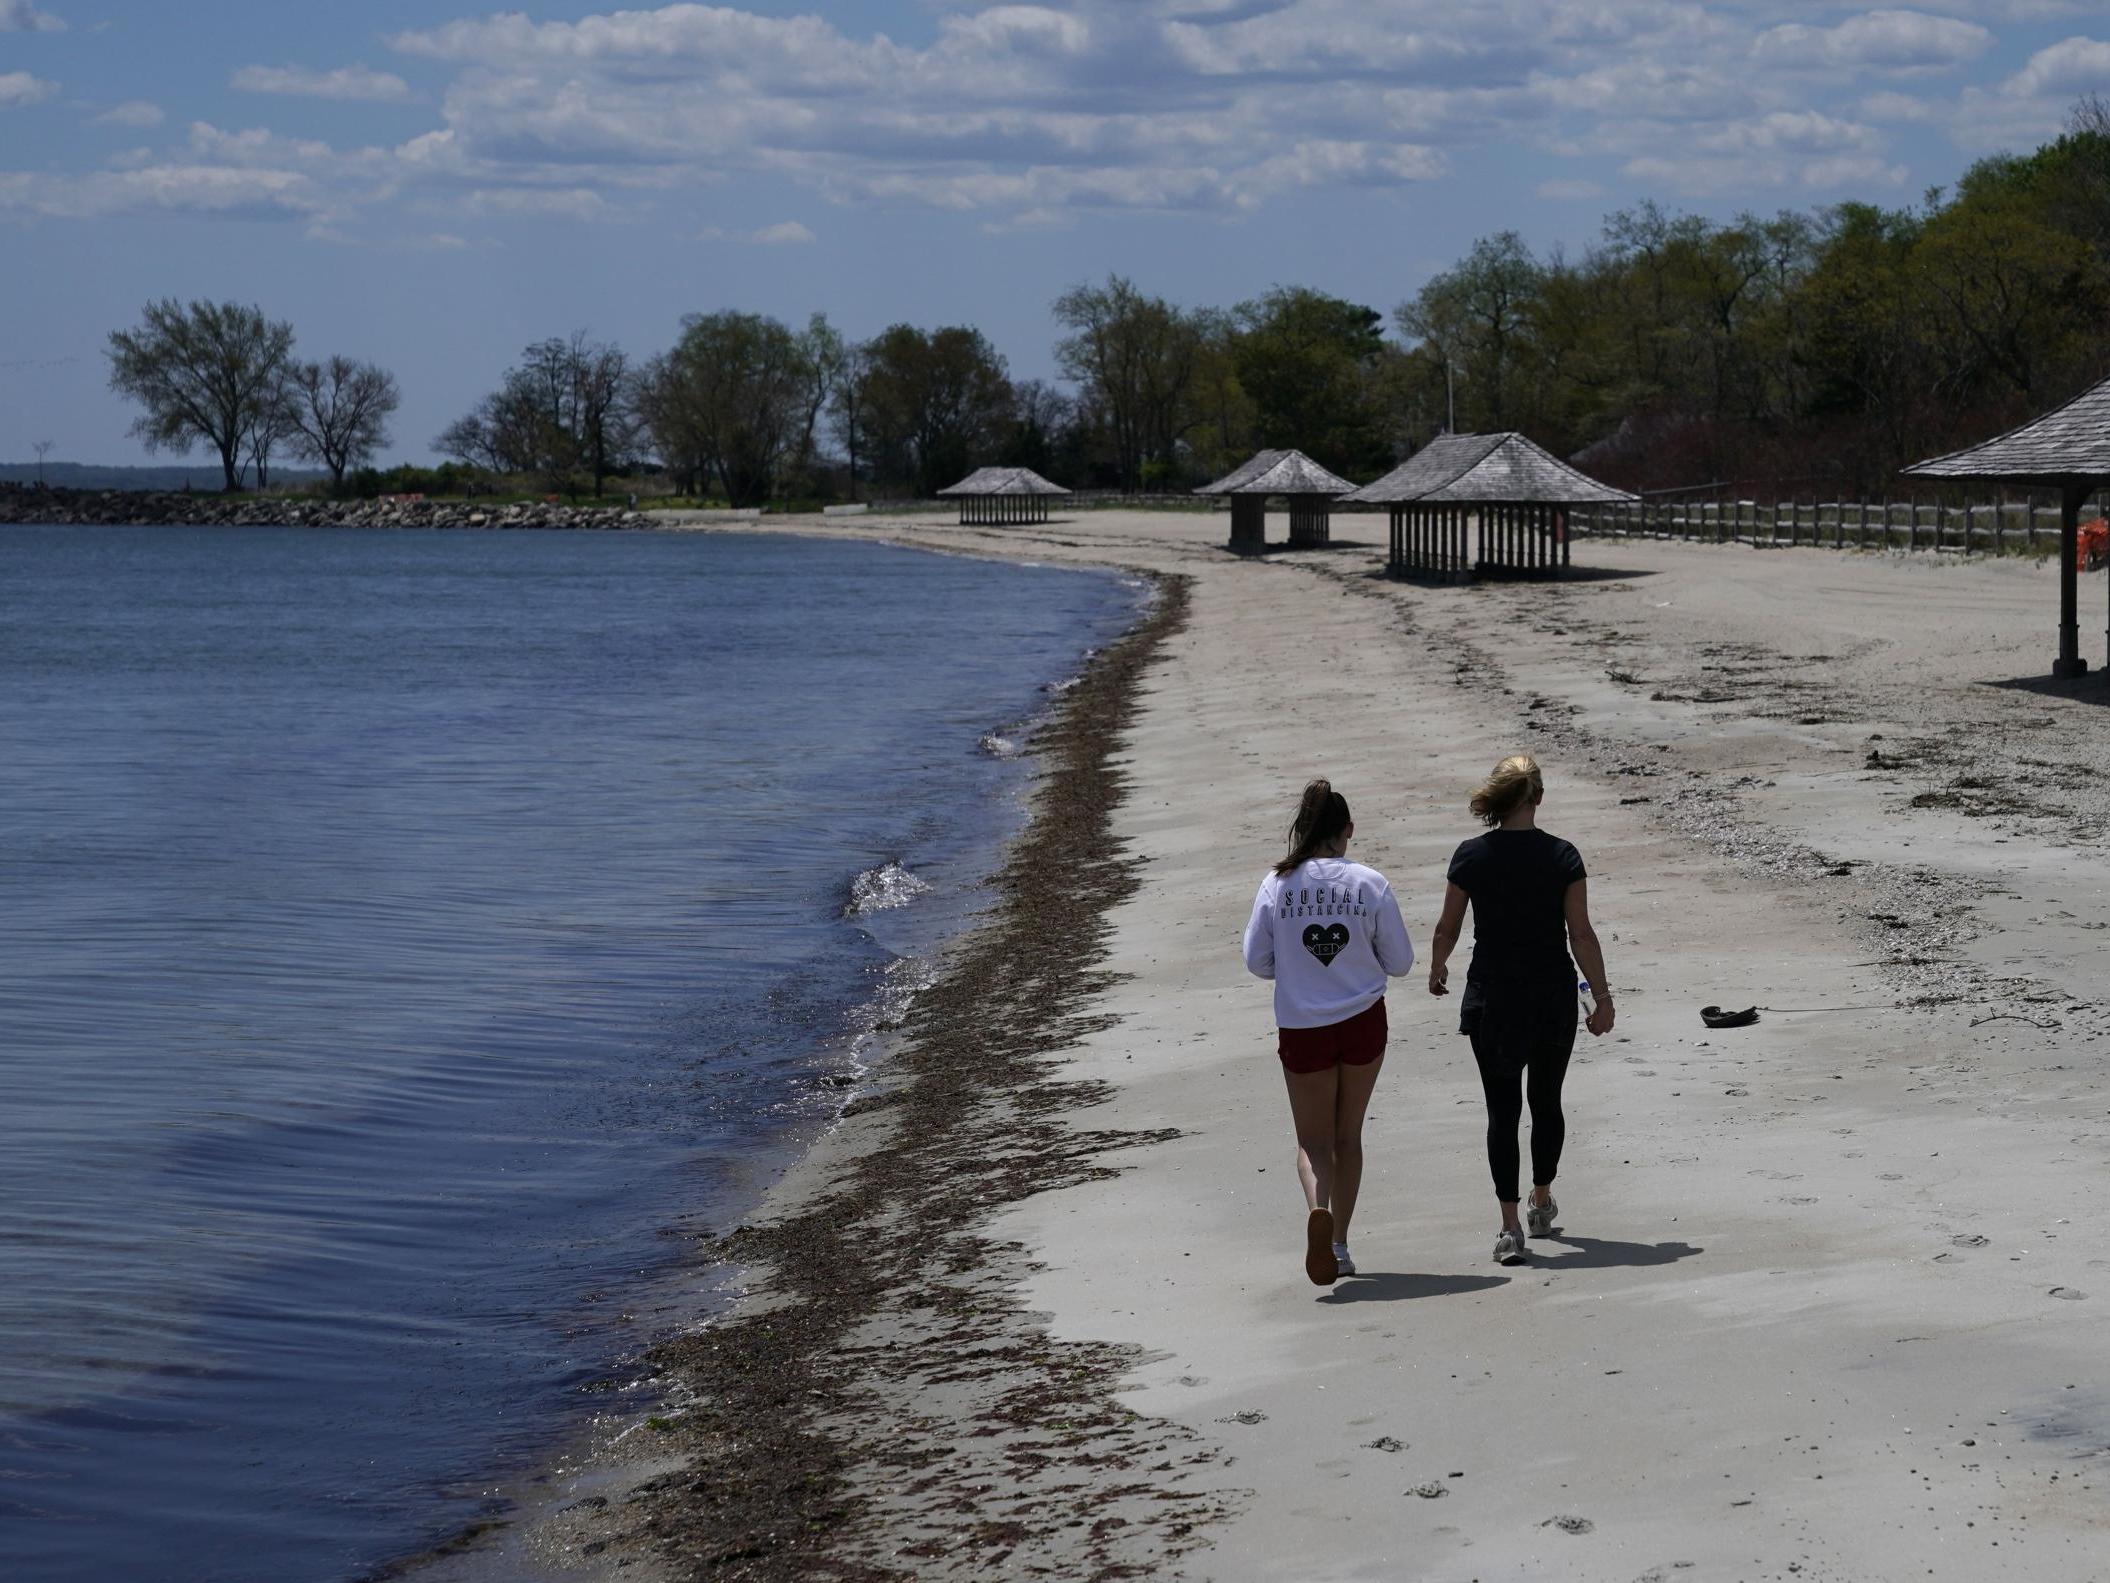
[(113, 507)]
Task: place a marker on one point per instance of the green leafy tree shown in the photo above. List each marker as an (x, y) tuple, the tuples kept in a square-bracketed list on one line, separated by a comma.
[(1307, 361), (207, 373), (728, 403), (1134, 359), (938, 404)]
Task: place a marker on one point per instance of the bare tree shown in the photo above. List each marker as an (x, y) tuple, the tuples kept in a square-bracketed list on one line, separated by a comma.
[(274, 421), (822, 354), (569, 404), (43, 449), (203, 373), (849, 406), (602, 412), (340, 411)]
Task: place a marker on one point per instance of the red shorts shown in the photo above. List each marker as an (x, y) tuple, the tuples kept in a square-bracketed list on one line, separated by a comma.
[(1356, 1042)]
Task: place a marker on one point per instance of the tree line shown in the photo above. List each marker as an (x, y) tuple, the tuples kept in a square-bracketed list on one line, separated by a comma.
[(1827, 348)]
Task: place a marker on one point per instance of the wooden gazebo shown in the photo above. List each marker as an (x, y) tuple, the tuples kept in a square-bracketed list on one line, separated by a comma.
[(2067, 449), (1310, 489), (1514, 493), (1000, 496)]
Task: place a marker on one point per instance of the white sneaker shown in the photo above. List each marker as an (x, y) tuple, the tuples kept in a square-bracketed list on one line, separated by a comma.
[(1343, 1261), (1539, 1217), (1509, 1245)]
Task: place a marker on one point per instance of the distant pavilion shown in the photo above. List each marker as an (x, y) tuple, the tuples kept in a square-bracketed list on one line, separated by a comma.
[(1000, 496), (1516, 494), (1310, 489), (2068, 449)]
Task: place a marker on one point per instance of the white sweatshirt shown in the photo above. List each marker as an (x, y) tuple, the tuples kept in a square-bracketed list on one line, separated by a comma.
[(1327, 932)]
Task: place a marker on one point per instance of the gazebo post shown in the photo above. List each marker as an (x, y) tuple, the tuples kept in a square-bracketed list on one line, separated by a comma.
[(2069, 662)]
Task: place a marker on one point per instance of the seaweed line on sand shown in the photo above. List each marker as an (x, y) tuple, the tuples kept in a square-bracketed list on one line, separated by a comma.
[(883, 1407)]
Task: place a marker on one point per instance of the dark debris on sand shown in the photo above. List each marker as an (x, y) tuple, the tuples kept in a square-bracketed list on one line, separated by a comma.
[(889, 1410)]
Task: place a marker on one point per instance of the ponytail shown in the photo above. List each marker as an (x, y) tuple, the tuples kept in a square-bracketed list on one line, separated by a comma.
[(1321, 818), (1515, 782)]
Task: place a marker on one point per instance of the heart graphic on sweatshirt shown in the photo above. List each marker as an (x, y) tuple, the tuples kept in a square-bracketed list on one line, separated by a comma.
[(1328, 943)]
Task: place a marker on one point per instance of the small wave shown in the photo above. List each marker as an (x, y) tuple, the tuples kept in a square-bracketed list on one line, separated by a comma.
[(905, 978), (999, 747), (878, 889)]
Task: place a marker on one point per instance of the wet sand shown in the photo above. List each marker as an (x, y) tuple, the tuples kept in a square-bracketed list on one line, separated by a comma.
[(1825, 1298)]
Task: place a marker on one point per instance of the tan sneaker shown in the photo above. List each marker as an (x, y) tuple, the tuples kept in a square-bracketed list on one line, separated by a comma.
[(1538, 1218)]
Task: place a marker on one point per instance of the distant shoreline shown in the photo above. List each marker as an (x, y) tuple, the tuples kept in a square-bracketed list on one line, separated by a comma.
[(198, 508)]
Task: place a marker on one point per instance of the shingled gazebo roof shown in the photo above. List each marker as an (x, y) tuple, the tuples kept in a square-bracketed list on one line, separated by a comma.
[(2068, 444), (1505, 469), (1004, 481), (2068, 449), (1279, 473)]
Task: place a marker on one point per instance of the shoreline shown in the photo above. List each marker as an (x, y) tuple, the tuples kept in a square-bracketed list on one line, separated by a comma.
[(854, 1242), (769, 1414), (1715, 1368)]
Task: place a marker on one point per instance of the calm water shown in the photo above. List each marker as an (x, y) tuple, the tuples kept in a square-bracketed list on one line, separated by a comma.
[(400, 932)]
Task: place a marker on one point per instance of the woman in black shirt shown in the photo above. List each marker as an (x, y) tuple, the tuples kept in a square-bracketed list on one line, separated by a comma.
[(1530, 901)]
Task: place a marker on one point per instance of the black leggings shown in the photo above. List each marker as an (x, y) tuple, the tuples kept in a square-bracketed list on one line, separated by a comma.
[(1539, 1057)]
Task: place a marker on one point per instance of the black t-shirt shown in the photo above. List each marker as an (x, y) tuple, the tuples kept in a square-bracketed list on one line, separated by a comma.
[(1518, 880)]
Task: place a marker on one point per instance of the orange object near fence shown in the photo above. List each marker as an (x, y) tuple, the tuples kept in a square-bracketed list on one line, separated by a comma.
[(2092, 545)]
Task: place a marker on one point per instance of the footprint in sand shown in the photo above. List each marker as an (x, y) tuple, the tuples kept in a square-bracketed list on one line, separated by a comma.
[(2068, 1293), (1431, 1490), (1386, 1443), (1969, 1239), (1252, 1415), (1569, 1525)]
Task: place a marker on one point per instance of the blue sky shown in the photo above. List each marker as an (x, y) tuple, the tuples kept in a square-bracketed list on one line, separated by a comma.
[(432, 186)]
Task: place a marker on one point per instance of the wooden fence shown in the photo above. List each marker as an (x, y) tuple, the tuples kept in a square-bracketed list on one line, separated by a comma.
[(1852, 524)]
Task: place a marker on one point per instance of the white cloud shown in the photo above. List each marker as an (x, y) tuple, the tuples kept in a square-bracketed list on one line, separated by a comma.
[(132, 113), (1032, 115), (19, 88), (787, 233), (19, 16), (534, 203), (1888, 41), (2072, 66), (199, 191), (356, 83), (2031, 105), (1887, 106)]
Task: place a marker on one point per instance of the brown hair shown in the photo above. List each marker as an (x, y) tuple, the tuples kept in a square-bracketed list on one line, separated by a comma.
[(1515, 782), (1321, 817)]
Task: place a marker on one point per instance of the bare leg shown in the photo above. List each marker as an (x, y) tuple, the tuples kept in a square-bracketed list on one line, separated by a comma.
[(1312, 1099), (1356, 1084)]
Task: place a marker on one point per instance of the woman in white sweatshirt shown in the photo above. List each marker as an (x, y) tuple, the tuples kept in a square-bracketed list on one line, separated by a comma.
[(1328, 932)]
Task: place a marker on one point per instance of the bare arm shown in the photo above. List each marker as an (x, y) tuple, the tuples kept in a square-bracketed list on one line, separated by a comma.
[(1589, 956), (1444, 939)]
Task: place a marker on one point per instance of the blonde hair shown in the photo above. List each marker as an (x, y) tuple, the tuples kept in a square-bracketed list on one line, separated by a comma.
[(1515, 782)]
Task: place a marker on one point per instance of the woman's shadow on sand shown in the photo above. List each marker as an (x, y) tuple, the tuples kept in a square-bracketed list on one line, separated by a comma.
[(1376, 1287), (1582, 1253)]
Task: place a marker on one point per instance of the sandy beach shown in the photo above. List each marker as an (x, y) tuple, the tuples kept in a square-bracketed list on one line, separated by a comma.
[(1825, 1300)]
